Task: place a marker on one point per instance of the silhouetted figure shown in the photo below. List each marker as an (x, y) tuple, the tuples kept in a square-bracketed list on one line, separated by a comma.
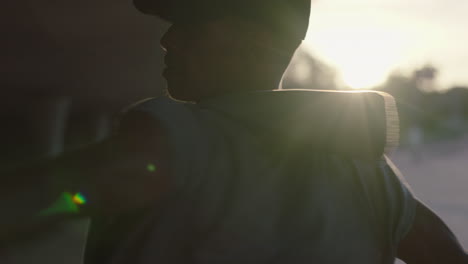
[(228, 169)]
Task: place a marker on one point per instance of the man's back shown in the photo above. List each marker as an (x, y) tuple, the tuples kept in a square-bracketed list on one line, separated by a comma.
[(249, 194)]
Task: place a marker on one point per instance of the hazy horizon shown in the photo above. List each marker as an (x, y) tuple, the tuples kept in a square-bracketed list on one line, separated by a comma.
[(365, 40)]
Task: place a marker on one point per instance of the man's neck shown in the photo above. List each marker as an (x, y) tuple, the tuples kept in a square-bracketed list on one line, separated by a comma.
[(246, 86)]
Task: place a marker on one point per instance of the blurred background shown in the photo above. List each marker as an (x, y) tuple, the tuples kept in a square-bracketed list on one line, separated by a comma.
[(416, 51), (67, 67)]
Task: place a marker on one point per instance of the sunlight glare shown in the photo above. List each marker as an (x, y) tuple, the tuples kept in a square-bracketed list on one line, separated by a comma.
[(363, 53)]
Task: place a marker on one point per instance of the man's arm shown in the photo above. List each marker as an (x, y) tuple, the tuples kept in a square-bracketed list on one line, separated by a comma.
[(126, 172), (430, 241)]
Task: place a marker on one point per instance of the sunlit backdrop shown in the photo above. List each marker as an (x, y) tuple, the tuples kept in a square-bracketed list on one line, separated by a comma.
[(365, 40)]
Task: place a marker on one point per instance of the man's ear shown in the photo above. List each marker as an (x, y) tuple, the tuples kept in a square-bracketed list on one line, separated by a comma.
[(273, 44)]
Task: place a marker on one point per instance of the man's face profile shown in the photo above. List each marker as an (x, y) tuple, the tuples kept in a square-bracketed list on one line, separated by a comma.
[(216, 47), (207, 54)]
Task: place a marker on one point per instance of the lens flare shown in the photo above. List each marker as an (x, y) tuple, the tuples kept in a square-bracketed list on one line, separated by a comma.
[(63, 205), (151, 167), (79, 199)]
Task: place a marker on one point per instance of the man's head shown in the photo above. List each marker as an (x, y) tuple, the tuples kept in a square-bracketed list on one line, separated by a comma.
[(216, 46)]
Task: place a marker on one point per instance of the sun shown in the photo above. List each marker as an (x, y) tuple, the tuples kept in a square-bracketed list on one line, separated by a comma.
[(362, 53), (363, 70)]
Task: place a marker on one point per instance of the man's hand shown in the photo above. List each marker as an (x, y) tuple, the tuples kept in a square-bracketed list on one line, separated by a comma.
[(430, 241), (128, 171)]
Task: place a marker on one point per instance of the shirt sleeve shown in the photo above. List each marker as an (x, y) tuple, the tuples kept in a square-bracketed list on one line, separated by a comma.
[(402, 200)]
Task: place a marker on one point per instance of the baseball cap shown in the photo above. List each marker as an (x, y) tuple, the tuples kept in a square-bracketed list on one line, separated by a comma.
[(287, 17)]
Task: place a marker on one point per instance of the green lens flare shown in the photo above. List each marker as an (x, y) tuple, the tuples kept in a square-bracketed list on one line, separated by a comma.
[(151, 168), (63, 205), (79, 199), (67, 203)]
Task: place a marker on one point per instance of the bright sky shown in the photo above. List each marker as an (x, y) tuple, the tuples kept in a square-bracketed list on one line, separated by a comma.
[(367, 39)]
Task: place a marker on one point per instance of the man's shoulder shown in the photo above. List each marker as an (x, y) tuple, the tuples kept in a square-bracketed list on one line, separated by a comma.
[(152, 104), (336, 121), (352, 121)]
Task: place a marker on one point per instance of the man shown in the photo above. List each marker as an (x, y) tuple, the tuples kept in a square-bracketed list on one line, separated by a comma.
[(244, 174)]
